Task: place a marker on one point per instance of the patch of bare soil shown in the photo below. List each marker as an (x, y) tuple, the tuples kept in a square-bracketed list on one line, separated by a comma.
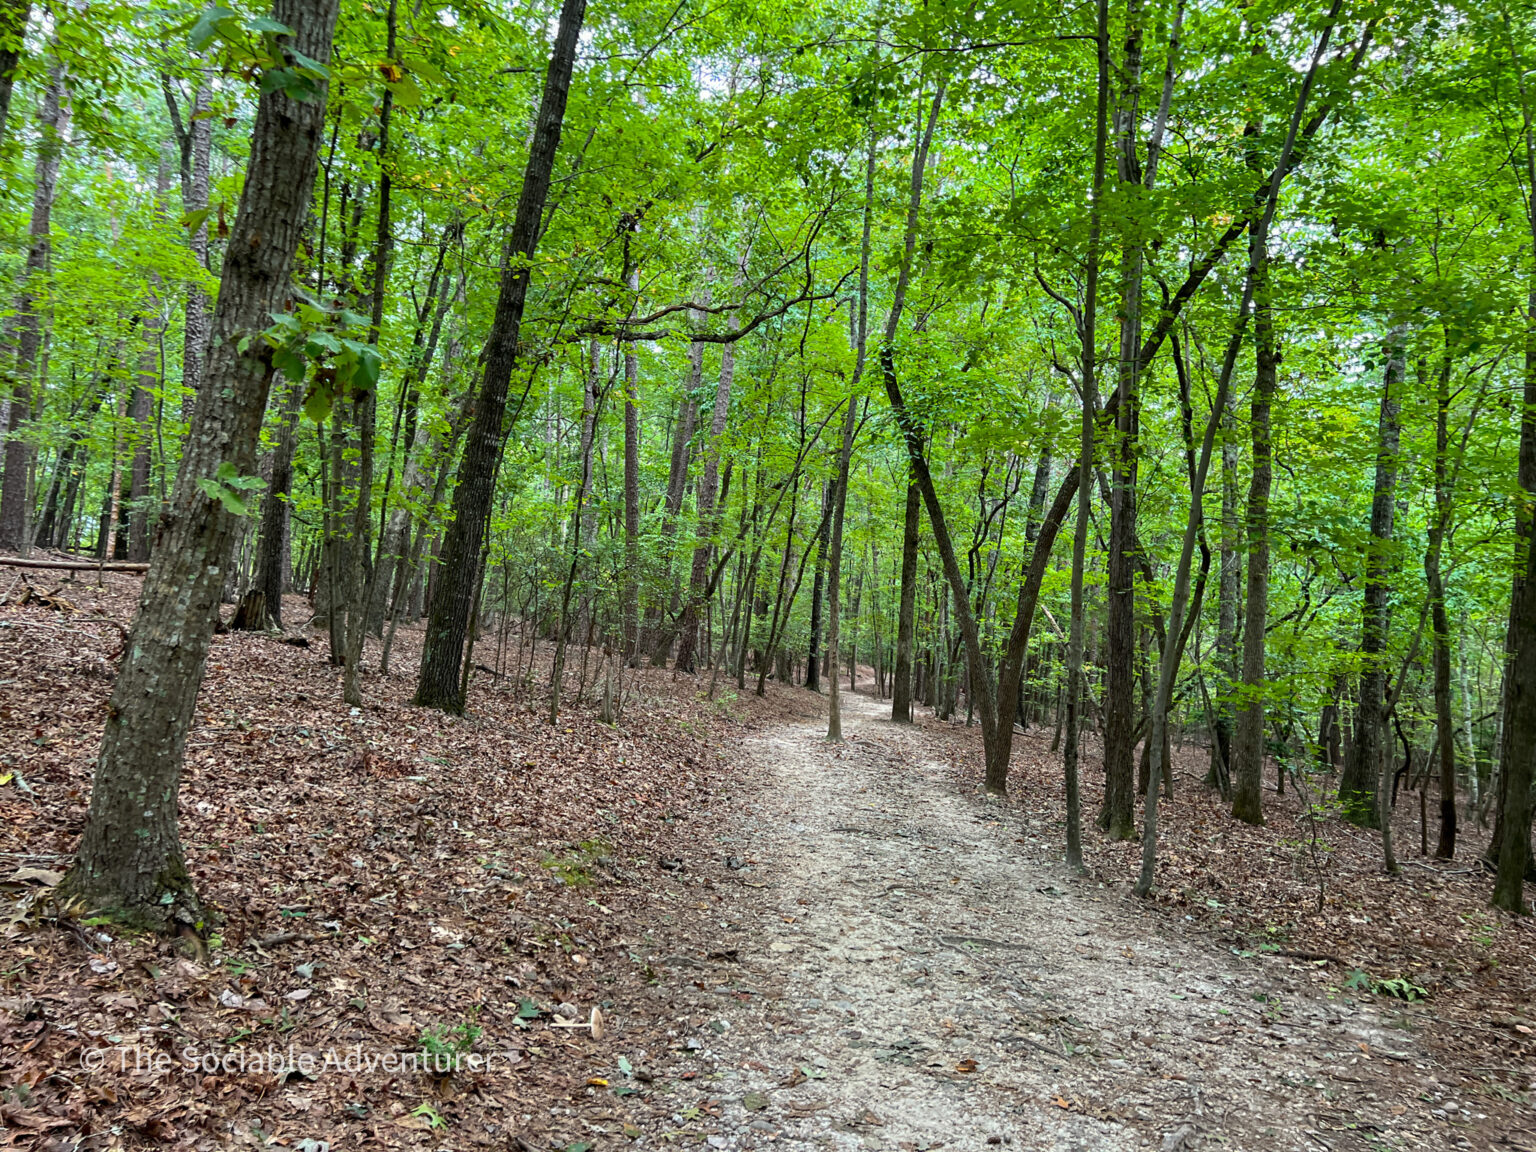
[(902, 966)]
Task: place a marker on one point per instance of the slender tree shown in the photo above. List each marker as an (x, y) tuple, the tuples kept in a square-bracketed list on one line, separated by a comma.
[(130, 859), (441, 683)]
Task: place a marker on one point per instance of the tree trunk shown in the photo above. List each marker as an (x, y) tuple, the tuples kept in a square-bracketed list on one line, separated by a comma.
[(26, 328), (262, 605), (704, 499), (1088, 358), (140, 411), (631, 589), (1230, 572), (818, 586), (1248, 747), (1118, 815), (196, 184), (901, 684), (442, 655), (1440, 523), (130, 861), (659, 618), (1357, 786), (364, 571), (1514, 844)]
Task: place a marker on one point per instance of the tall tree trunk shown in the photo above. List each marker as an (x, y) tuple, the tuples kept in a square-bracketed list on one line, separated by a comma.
[(631, 589), (26, 329), (1088, 358), (982, 686), (1118, 815), (850, 427), (1248, 746), (130, 860), (195, 138), (901, 684), (1445, 721), (440, 683), (659, 617), (1509, 848), (1229, 598), (704, 500), (364, 571), (818, 588), (1358, 791), (592, 394)]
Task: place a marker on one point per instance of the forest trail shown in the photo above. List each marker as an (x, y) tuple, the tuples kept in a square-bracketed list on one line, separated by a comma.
[(918, 972)]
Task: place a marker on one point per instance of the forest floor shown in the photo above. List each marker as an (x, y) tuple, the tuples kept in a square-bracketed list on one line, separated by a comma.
[(791, 944)]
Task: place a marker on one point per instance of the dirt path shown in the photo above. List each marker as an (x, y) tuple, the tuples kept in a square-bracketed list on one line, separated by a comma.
[(915, 972)]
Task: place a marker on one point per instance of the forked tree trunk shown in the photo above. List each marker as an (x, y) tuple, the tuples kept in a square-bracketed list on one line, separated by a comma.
[(130, 861), (441, 681)]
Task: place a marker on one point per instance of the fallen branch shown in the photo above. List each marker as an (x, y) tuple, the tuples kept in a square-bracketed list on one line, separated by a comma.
[(68, 566)]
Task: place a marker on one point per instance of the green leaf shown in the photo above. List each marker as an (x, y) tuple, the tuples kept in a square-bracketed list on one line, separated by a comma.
[(262, 24), (192, 221), (208, 27), (317, 405)]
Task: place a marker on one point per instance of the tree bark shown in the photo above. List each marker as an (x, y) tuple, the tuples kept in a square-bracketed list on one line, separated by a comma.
[(1440, 524), (1358, 792), (901, 684), (1229, 600), (1088, 358), (196, 140), (1118, 815), (818, 589), (631, 589), (440, 683), (1248, 746), (130, 861), (850, 417), (364, 571), (262, 605), (1514, 844), (704, 500)]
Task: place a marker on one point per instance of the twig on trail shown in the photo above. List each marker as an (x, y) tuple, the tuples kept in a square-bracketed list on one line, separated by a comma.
[(1026, 1040), (277, 938), (1303, 954)]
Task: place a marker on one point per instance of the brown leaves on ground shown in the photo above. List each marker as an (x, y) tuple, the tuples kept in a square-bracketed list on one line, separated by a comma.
[(389, 879)]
